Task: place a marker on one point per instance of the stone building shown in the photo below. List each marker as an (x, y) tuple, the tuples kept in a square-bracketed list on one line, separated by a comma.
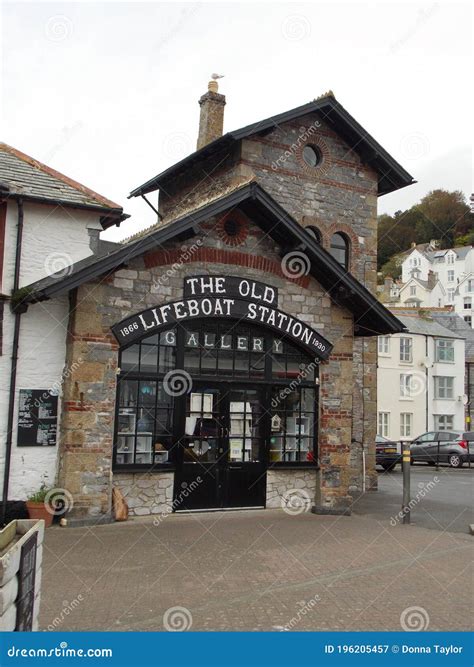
[(226, 356)]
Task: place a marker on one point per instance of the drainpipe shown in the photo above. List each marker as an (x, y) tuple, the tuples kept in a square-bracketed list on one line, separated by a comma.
[(426, 384), (16, 338)]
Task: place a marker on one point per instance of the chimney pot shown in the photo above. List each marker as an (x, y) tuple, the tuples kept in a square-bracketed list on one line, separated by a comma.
[(211, 120)]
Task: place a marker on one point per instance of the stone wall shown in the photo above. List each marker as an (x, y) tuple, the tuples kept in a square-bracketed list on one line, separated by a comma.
[(146, 493), (284, 485), (155, 278), (338, 196)]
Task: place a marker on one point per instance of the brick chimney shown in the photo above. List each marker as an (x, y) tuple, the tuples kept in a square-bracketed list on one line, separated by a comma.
[(432, 279), (211, 120)]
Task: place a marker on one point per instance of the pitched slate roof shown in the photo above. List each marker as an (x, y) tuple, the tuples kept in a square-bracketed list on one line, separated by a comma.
[(370, 316), (24, 176), (426, 326), (432, 253), (392, 176)]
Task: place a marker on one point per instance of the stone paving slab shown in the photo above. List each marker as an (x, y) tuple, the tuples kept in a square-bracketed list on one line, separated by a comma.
[(255, 570)]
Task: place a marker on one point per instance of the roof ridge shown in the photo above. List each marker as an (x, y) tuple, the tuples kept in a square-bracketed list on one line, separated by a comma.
[(57, 174)]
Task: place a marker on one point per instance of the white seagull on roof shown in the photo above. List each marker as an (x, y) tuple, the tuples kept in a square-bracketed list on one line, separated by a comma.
[(217, 76)]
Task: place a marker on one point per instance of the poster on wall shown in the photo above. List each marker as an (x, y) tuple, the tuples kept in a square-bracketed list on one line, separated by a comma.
[(37, 418)]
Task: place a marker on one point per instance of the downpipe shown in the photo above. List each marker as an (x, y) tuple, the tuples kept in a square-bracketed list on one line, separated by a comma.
[(14, 364)]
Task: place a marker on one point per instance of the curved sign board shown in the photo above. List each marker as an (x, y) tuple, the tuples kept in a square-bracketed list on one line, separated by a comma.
[(257, 312)]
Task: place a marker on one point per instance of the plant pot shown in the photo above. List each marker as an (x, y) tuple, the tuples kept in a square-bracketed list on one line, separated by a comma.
[(39, 511)]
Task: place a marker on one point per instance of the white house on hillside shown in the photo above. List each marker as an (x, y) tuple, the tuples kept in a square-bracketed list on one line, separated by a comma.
[(436, 278), (420, 379), (417, 292)]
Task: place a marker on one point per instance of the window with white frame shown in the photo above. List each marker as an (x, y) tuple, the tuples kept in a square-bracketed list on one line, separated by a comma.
[(412, 290), (406, 349), (406, 420), (444, 386), (384, 344), (451, 276), (467, 303), (384, 422), (450, 258), (443, 422), (470, 285), (468, 319), (405, 385), (444, 350), (450, 295)]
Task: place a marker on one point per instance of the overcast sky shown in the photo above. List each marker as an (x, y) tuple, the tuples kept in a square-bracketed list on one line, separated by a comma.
[(106, 92)]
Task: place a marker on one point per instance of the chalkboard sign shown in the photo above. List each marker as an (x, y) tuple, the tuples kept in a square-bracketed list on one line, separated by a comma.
[(37, 418), (26, 585)]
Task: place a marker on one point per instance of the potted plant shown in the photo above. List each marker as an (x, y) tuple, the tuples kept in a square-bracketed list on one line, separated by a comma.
[(38, 507)]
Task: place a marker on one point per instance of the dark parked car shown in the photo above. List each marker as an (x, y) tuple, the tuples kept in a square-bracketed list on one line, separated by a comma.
[(450, 447), (386, 453)]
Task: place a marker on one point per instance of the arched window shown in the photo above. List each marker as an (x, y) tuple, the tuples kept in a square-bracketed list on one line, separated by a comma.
[(314, 231), (258, 387), (340, 249)]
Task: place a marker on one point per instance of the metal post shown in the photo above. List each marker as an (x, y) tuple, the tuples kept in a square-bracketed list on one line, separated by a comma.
[(406, 484)]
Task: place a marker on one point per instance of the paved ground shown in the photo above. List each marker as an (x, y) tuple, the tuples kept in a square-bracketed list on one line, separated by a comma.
[(444, 498), (259, 570)]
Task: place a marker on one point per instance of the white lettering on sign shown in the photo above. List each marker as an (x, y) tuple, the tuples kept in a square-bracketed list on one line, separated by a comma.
[(170, 337), (222, 307), (242, 343), (249, 289), (223, 342), (230, 286)]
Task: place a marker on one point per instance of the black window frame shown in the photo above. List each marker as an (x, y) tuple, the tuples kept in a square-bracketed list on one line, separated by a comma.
[(346, 248), (268, 382)]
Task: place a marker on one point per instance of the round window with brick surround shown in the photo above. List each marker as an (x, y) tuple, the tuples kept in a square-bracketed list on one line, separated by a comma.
[(312, 155), (232, 228)]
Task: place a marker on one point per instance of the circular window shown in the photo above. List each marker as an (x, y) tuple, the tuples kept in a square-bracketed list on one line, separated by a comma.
[(231, 227), (312, 155)]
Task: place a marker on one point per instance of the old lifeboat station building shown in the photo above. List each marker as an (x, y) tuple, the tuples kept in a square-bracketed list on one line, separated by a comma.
[(225, 357)]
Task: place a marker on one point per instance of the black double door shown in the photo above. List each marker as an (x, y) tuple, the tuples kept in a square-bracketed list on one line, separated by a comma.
[(222, 453)]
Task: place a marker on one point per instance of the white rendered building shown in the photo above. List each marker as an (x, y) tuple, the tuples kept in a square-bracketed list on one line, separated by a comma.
[(420, 379), (47, 223)]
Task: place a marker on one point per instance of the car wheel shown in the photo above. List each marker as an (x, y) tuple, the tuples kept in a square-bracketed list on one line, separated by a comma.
[(388, 466), (455, 461)]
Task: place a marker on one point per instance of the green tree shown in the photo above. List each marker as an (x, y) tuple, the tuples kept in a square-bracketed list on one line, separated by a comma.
[(393, 267), (440, 215), (443, 216)]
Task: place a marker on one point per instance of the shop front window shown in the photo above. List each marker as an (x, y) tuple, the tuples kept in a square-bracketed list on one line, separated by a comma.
[(144, 431), (252, 397), (292, 425)]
